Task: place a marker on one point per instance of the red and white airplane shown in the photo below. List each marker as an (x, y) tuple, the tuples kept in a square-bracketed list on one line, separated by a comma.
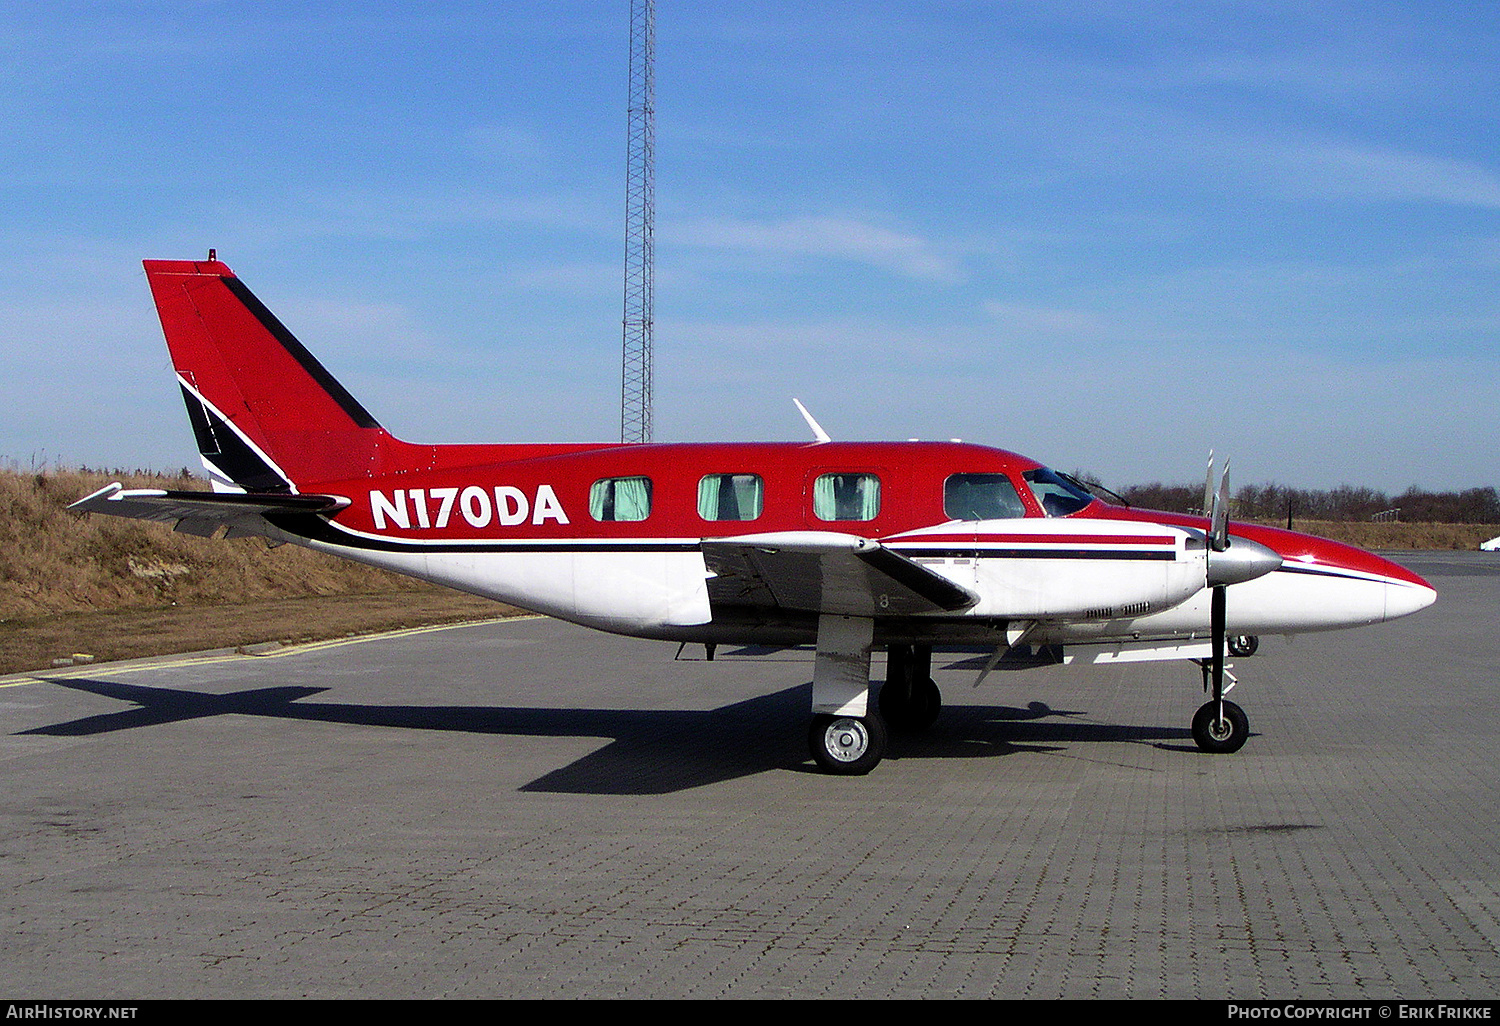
[(846, 545)]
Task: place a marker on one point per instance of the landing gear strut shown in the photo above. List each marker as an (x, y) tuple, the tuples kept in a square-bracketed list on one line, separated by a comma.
[(847, 736), (1219, 726)]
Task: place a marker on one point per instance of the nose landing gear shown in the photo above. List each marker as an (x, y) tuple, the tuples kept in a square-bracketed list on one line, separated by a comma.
[(1220, 727)]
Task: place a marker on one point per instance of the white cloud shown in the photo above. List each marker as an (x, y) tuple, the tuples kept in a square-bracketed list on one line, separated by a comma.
[(1350, 170), (826, 237)]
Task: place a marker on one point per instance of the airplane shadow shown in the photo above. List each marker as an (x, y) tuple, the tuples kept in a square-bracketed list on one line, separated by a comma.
[(650, 751)]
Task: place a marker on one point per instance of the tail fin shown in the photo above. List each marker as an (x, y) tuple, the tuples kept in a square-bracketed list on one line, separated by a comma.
[(267, 416)]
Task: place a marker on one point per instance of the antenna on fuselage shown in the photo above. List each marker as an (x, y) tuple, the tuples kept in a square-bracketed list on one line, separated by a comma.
[(817, 429)]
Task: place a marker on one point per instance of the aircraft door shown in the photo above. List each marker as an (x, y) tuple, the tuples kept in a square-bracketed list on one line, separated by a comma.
[(956, 557)]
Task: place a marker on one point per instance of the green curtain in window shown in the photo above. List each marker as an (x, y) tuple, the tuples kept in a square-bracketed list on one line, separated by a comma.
[(824, 507), (730, 497), (709, 504), (620, 498), (846, 497), (632, 498), (869, 496)]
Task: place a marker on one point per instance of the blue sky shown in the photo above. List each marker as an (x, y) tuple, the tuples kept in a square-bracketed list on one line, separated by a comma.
[(1110, 236)]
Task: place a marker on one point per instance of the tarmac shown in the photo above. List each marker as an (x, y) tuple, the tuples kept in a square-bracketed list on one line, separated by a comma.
[(527, 809)]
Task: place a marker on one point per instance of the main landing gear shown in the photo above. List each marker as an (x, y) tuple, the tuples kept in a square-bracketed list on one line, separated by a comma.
[(1242, 646), (847, 736), (909, 699)]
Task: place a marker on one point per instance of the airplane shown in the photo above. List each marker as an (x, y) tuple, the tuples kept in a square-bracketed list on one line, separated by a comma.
[(848, 547)]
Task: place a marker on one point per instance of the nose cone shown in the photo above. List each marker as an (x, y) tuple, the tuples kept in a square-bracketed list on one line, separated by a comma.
[(1404, 597), (1405, 591), (1325, 585), (1400, 593)]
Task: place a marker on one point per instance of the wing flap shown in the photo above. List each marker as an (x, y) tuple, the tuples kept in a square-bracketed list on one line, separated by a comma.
[(826, 572)]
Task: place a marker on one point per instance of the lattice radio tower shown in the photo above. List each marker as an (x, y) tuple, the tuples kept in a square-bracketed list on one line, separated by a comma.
[(640, 226)]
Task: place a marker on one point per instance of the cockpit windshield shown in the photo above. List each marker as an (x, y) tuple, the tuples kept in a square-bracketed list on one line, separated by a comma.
[(1057, 496)]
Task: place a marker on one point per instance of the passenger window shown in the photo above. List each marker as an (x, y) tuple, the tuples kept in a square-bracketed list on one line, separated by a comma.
[(846, 497), (981, 497), (730, 497), (620, 498)]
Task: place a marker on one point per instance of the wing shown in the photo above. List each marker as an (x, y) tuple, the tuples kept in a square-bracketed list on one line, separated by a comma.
[(826, 572), (204, 513)]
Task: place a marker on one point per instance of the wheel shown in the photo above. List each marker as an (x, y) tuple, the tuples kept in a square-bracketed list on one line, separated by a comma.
[(910, 710), (846, 745), (1214, 733), (1242, 645)]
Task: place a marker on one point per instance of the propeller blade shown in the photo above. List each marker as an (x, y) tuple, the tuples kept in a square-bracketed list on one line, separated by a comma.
[(1219, 518), (1208, 485)]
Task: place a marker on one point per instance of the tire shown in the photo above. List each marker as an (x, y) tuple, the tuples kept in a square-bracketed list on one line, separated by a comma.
[(847, 745), (912, 712), (1220, 736)]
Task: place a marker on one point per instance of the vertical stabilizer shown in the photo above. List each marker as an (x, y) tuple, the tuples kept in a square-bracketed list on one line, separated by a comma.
[(266, 414)]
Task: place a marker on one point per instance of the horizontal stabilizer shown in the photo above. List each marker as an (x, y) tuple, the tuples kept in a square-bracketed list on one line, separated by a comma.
[(823, 572), (203, 513)]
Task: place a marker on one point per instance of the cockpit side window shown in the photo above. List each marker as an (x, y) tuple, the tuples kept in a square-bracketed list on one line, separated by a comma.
[(981, 497), (1058, 496)]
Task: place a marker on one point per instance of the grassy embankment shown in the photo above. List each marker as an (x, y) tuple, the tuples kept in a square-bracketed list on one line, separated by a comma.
[(119, 589), (1397, 537)]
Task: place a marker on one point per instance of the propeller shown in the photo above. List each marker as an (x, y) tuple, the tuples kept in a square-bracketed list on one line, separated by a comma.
[(1229, 561)]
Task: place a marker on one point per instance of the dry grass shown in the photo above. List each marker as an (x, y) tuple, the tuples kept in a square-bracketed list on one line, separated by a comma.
[(1395, 536), (40, 642), (52, 561), (116, 589)]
